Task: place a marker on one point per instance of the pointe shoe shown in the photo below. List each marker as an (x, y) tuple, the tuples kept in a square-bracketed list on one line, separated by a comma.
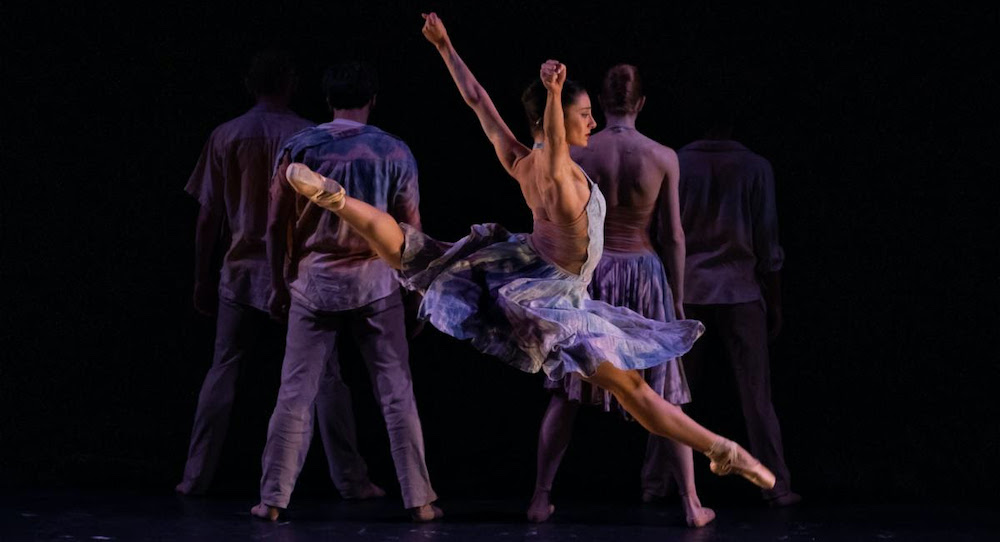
[(728, 458), (327, 193), (425, 513)]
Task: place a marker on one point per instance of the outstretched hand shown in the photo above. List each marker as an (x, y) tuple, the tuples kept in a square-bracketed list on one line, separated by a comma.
[(434, 29), (553, 75)]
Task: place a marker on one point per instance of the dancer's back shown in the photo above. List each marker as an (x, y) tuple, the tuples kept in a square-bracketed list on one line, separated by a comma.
[(630, 169), (560, 222)]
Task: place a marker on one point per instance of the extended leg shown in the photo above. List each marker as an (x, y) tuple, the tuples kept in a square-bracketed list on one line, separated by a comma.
[(379, 228), (667, 420)]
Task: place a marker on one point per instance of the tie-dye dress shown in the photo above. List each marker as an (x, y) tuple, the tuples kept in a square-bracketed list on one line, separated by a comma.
[(495, 289)]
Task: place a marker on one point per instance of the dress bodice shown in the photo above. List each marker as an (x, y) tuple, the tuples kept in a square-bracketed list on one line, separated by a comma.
[(564, 244)]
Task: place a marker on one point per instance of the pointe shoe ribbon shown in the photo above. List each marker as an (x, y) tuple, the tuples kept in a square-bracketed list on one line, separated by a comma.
[(728, 458), (327, 193)]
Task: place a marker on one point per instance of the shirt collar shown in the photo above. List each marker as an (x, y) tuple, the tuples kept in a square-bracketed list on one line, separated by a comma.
[(346, 122)]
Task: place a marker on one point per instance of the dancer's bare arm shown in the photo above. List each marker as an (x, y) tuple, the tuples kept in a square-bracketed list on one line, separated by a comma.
[(671, 236), (509, 150), (557, 185), (207, 237), (279, 213)]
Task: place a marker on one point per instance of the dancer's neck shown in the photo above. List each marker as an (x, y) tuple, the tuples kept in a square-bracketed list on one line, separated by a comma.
[(356, 115), (620, 121), (278, 102)]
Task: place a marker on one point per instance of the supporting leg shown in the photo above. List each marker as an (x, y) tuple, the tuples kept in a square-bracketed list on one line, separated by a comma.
[(745, 343), (334, 413), (311, 338), (678, 459), (237, 329), (553, 439), (381, 336)]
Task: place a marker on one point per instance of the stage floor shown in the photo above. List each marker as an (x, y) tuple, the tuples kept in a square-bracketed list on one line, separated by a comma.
[(103, 515)]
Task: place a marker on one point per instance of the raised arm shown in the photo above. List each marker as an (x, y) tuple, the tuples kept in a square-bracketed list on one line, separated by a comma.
[(507, 147), (558, 184)]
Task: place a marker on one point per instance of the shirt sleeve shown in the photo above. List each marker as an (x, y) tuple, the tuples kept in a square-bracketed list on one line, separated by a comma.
[(405, 203), (770, 256), (206, 181)]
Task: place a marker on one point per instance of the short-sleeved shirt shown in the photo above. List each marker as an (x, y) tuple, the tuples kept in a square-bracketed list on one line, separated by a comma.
[(730, 222), (234, 172), (333, 267)]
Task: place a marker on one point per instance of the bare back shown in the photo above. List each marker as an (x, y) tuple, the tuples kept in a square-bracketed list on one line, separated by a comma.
[(630, 170), (558, 210)]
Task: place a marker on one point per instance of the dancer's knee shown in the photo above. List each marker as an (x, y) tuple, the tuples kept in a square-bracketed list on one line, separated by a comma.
[(617, 381)]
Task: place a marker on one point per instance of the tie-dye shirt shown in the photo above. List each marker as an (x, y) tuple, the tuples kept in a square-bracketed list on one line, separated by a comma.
[(333, 267)]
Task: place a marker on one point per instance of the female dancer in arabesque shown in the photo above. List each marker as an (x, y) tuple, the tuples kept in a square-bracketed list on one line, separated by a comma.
[(538, 315)]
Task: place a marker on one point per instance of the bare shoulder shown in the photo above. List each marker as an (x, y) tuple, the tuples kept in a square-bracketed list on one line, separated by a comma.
[(665, 155), (522, 166)]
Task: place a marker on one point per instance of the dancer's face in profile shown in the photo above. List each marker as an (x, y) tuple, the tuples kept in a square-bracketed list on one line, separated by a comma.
[(579, 120)]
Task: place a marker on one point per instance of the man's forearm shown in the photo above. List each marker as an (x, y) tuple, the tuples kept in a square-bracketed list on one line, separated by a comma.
[(208, 231)]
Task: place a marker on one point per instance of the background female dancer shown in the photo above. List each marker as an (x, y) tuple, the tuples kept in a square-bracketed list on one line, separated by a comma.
[(523, 298), (638, 177)]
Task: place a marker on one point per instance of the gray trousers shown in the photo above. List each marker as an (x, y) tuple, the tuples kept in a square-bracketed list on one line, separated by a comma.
[(238, 330), (311, 365), (741, 330)]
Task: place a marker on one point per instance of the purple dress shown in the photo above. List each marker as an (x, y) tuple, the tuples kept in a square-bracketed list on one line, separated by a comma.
[(630, 274)]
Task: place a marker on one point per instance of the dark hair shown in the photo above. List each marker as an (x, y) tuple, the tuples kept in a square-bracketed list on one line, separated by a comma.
[(622, 90), (534, 97), (350, 85), (270, 73)]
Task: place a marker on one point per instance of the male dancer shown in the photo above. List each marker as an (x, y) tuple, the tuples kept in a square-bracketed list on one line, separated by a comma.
[(230, 182), (732, 275), (337, 284)]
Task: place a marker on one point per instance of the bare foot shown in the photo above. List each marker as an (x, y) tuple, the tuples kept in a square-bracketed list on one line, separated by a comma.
[(187, 489), (265, 512), (425, 513), (695, 514), (540, 508), (650, 497), (368, 491)]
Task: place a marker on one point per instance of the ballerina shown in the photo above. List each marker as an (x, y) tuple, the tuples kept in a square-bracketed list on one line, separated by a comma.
[(523, 297)]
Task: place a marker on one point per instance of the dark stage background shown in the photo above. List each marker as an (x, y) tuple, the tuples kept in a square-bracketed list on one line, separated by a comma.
[(880, 124)]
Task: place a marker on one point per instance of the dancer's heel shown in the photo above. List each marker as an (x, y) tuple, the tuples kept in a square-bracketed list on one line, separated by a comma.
[(327, 193), (728, 457)]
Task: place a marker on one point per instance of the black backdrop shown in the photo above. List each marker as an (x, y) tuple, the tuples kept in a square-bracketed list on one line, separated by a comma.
[(880, 123)]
